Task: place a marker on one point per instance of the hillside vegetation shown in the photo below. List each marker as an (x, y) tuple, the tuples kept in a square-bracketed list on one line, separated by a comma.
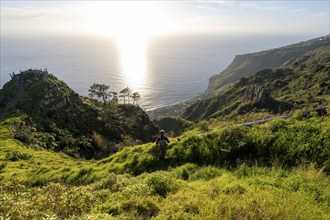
[(302, 82), (277, 170), (59, 119), (63, 156), (247, 64), (300, 61)]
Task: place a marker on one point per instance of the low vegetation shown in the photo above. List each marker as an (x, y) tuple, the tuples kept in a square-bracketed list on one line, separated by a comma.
[(302, 82), (278, 170), (246, 64), (63, 156), (57, 118)]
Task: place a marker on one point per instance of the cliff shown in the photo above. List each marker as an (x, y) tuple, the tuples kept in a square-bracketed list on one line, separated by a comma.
[(302, 82), (247, 64)]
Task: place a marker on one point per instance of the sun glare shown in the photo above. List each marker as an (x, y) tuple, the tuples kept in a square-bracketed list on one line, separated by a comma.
[(133, 62), (131, 24), (122, 19)]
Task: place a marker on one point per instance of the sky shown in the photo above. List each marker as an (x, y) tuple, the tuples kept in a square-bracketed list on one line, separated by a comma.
[(149, 18)]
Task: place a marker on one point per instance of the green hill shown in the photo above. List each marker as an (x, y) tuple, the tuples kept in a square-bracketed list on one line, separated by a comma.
[(301, 57), (279, 170), (301, 82), (57, 118), (247, 64), (63, 156)]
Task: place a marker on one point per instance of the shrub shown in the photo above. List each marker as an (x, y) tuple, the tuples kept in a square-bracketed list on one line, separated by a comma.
[(206, 173), (108, 182), (299, 115), (278, 124), (203, 126), (140, 207), (24, 135), (2, 166), (185, 171), (16, 156), (160, 184)]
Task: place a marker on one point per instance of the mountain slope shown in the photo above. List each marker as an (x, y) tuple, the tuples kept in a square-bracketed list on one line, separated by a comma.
[(244, 66), (43, 96), (77, 125), (270, 171), (247, 64), (303, 81)]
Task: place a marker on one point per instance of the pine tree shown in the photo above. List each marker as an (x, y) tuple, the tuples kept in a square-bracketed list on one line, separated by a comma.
[(126, 93), (100, 91), (136, 96)]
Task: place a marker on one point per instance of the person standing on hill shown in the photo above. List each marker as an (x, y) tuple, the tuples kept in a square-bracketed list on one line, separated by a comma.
[(162, 141)]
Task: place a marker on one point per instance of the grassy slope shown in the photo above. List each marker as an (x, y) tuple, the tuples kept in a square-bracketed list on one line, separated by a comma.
[(41, 161), (247, 64), (134, 184), (303, 81), (70, 119)]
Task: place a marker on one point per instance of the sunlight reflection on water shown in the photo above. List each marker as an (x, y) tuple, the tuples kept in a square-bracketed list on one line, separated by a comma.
[(164, 70), (133, 62)]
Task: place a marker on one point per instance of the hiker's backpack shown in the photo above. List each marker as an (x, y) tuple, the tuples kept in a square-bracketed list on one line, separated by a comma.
[(162, 143)]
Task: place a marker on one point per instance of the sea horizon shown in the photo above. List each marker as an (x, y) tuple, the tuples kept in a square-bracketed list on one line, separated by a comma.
[(165, 71)]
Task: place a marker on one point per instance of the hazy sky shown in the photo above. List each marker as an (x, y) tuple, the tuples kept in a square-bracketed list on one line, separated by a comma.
[(154, 18)]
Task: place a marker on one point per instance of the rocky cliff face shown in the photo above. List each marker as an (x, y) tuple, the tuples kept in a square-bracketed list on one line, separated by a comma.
[(40, 94), (305, 58), (247, 64), (303, 82), (257, 93)]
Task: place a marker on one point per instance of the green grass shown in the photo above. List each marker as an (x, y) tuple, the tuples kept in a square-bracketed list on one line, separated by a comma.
[(246, 192), (202, 177), (40, 162)]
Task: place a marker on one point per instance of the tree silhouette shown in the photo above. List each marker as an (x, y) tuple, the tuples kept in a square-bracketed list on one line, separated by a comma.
[(114, 97), (125, 93), (124, 97), (136, 96), (100, 91)]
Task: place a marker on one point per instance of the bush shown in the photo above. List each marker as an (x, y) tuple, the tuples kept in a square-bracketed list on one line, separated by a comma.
[(2, 166), (290, 142), (160, 184), (203, 126), (140, 207), (185, 171), (206, 173), (16, 156), (24, 135), (108, 182)]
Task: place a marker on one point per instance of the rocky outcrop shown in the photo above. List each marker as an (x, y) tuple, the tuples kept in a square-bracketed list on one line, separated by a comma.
[(29, 76), (40, 94), (15, 89), (257, 93)]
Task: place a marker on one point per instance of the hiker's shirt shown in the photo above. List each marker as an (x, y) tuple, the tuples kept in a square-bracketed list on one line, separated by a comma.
[(162, 140)]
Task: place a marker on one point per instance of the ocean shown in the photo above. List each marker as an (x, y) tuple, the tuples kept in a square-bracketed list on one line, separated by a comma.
[(164, 70)]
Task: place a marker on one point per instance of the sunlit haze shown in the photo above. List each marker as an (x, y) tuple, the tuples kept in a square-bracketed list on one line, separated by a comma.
[(153, 17), (127, 19), (168, 45)]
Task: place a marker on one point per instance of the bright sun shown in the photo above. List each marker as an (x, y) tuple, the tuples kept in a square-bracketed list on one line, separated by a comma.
[(128, 19), (131, 24)]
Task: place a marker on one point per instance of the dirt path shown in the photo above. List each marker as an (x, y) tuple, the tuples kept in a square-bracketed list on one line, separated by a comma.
[(320, 110)]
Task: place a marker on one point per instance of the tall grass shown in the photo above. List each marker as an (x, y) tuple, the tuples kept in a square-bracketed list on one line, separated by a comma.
[(279, 170), (208, 193)]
